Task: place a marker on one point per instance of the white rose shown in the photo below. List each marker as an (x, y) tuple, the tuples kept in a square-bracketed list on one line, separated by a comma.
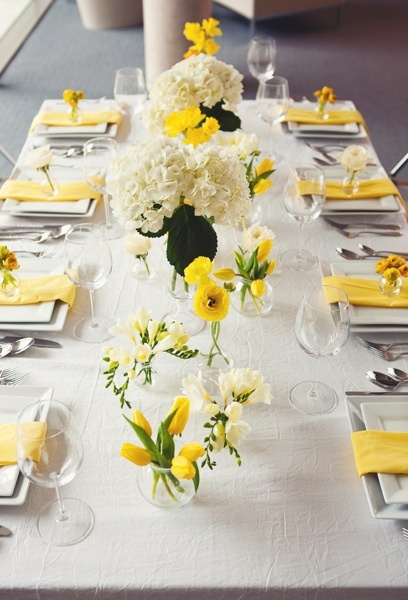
[(354, 158), (254, 235), (136, 244), (40, 157)]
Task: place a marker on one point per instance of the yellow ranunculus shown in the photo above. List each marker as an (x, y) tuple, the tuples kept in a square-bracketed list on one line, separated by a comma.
[(262, 186), (265, 165), (224, 274), (263, 250), (211, 302), (197, 269), (11, 262), (192, 451), (139, 419), (182, 468), (210, 126), (258, 287), (391, 274), (136, 454), (179, 421), (271, 267)]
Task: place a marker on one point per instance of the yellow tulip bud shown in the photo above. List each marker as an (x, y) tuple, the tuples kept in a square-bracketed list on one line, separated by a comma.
[(262, 186), (271, 267), (264, 166), (136, 454), (182, 467), (258, 287), (192, 451), (263, 250), (224, 274), (140, 420), (179, 421)]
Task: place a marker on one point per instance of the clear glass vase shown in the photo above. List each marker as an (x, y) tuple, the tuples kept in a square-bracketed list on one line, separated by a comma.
[(9, 286), (141, 269), (75, 114), (244, 301), (322, 112), (146, 375), (183, 313), (390, 288), (215, 361), (49, 184), (161, 488), (350, 184)]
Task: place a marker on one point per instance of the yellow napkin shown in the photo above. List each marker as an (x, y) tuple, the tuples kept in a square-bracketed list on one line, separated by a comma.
[(35, 432), (42, 289), (365, 292), (372, 188), (336, 117), (61, 119), (30, 191), (380, 451)]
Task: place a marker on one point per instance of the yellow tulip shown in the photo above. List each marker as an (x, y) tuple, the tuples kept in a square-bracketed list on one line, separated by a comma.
[(182, 468), (263, 250), (197, 269), (141, 420), (258, 287), (136, 454), (264, 166), (224, 274), (262, 186), (271, 267), (192, 451), (211, 302), (179, 421)]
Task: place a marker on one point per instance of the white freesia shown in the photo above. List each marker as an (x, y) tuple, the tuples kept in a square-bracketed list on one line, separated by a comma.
[(235, 429), (40, 157), (136, 244), (201, 79), (196, 393), (354, 158), (164, 344), (237, 142), (142, 352), (141, 319), (254, 235), (123, 357), (178, 332), (239, 382), (152, 329), (125, 327)]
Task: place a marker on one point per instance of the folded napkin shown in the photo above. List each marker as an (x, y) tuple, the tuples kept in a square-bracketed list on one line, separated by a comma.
[(42, 289), (336, 117), (35, 430), (366, 292), (372, 188), (30, 191), (62, 119), (380, 451)]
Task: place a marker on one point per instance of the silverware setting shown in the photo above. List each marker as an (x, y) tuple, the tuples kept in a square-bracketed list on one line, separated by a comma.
[(13, 380), (350, 255), (405, 533), (384, 380), (345, 226), (353, 234), (380, 253), (35, 234), (49, 253), (383, 350), (16, 347), (40, 342)]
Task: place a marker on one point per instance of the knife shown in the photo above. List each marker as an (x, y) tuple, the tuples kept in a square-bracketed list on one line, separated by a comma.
[(37, 341), (342, 226)]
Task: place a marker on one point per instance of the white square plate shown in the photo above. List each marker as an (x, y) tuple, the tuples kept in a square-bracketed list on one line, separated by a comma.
[(40, 312), (389, 416), (55, 324), (12, 400), (378, 507), (76, 209)]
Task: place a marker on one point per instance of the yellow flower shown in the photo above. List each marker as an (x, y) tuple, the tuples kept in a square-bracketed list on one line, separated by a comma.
[(179, 421), (210, 126), (263, 250), (211, 28), (326, 94), (396, 261), (192, 31), (391, 275), (262, 186), (210, 47), (136, 454), (192, 451), (11, 262), (141, 420), (224, 274), (197, 269), (271, 267), (264, 166), (182, 468), (196, 136), (173, 124), (258, 287), (381, 265), (211, 302), (72, 97)]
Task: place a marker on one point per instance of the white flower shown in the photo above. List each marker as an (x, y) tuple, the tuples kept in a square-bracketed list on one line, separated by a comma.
[(141, 319), (178, 333), (212, 409), (136, 244), (237, 142), (152, 329), (354, 158), (142, 352), (196, 393), (164, 344), (243, 381), (124, 327), (123, 357), (254, 235), (235, 429), (40, 157)]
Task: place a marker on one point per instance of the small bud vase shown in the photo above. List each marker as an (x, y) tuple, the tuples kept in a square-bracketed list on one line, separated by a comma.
[(49, 185), (75, 114), (146, 375), (350, 184), (215, 361), (141, 269), (390, 288), (244, 301), (322, 112), (183, 294), (161, 488), (9, 288)]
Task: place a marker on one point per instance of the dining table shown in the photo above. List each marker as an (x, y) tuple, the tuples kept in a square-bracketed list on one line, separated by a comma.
[(294, 520)]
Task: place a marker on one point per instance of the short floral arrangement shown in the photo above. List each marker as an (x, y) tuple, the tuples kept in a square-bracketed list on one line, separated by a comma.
[(138, 245), (195, 127), (324, 95), (354, 158), (72, 98), (8, 264), (149, 338), (392, 269), (41, 158), (201, 35), (236, 389), (163, 187)]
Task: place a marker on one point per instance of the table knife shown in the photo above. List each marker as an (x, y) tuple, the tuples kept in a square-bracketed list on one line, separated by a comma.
[(37, 341), (385, 226)]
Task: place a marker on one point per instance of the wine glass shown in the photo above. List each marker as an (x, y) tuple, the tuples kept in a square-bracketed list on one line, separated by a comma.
[(97, 157), (272, 101), (130, 93), (304, 198), (322, 329), (261, 57), (50, 457), (88, 264)]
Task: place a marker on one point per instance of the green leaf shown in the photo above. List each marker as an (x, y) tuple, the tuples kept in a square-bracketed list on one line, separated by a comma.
[(227, 120), (165, 442), (189, 237), (146, 440), (196, 478)]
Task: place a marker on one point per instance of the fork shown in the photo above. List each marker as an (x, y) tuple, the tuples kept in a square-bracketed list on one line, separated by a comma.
[(8, 372), (380, 347), (389, 356), (405, 533), (13, 380)]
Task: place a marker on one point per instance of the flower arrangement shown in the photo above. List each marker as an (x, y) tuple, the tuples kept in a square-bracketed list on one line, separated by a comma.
[(353, 159), (168, 467), (149, 338), (192, 124), (324, 95), (201, 35), (236, 388), (392, 269), (41, 158), (8, 264), (137, 245), (163, 187), (72, 98)]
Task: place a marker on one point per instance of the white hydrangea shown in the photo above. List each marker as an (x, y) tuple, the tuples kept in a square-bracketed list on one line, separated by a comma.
[(201, 79), (237, 142)]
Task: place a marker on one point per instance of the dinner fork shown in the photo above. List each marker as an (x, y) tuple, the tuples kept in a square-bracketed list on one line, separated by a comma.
[(354, 234), (8, 372), (14, 380), (405, 533), (378, 346), (389, 356)]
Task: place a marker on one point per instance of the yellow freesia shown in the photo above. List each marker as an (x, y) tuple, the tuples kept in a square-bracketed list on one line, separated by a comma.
[(265, 165), (136, 454), (196, 136), (210, 47), (139, 419), (210, 126), (211, 302), (179, 421), (262, 186), (258, 287), (197, 269), (211, 28), (192, 31), (263, 250), (271, 267), (192, 451), (182, 468), (224, 274)]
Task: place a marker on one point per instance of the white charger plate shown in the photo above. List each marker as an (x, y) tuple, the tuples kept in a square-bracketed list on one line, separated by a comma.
[(76, 209), (389, 416), (13, 485), (56, 322), (378, 506)]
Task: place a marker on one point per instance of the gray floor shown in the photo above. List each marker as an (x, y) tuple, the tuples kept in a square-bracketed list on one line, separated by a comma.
[(364, 59)]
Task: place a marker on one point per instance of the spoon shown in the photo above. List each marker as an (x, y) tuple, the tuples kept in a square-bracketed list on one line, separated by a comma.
[(383, 380), (4, 531), (350, 255), (372, 252), (5, 349), (18, 346), (397, 374)]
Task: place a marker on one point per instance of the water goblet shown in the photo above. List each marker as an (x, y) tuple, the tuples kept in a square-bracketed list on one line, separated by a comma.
[(304, 198), (261, 57), (272, 102), (50, 456), (322, 328), (97, 157), (88, 264), (130, 93)]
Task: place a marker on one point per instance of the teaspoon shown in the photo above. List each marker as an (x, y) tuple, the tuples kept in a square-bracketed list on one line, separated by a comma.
[(350, 255), (4, 531), (383, 380), (372, 252), (16, 347), (397, 374)]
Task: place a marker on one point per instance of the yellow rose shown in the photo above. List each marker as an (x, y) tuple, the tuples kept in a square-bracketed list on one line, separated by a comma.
[(179, 421), (224, 274), (263, 250), (141, 420), (182, 468), (197, 269), (192, 451), (262, 186), (258, 288), (264, 166), (136, 454), (211, 302)]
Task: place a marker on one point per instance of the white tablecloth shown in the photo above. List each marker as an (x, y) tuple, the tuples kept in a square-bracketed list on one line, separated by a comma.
[(292, 522)]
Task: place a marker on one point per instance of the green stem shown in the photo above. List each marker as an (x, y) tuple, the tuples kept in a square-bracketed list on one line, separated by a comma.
[(46, 171)]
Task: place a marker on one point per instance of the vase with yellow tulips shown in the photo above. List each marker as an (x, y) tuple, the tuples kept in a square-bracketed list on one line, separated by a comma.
[(167, 479), (324, 95)]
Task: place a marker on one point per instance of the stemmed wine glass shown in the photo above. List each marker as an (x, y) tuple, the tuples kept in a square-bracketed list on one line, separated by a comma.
[(130, 93), (272, 101), (261, 57), (88, 264), (304, 198), (51, 457), (97, 157), (322, 329)]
